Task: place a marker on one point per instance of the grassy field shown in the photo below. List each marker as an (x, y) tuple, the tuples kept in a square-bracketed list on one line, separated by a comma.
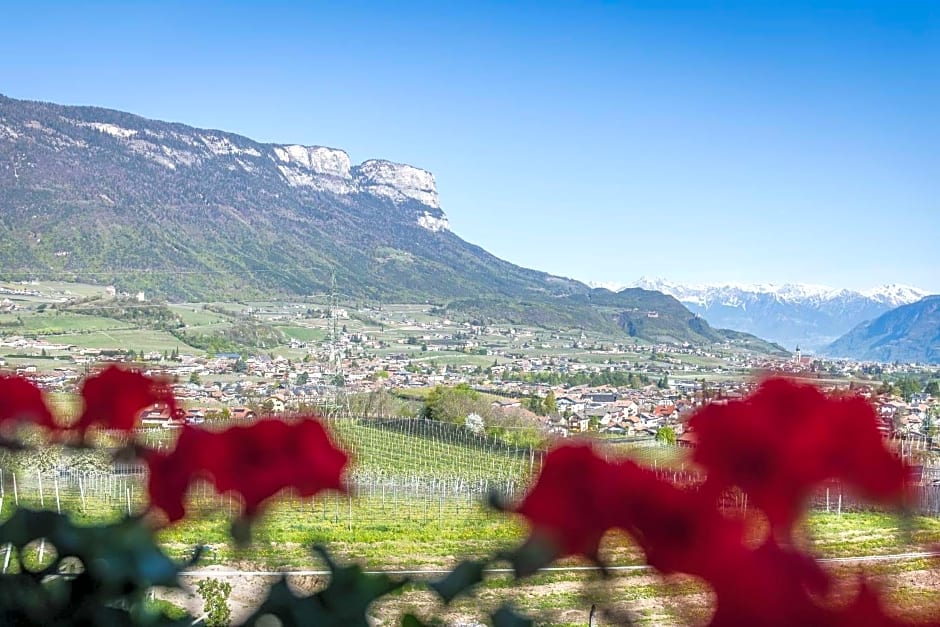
[(386, 534), (137, 339), (304, 334), (50, 322), (398, 523), (194, 315)]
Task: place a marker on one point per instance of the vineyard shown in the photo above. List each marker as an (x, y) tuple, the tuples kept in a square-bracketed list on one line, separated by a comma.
[(417, 500), (418, 493)]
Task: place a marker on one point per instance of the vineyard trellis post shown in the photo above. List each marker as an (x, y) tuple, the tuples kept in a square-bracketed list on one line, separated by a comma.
[(42, 504)]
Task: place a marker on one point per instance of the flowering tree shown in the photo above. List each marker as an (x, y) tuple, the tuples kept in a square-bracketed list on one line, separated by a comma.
[(776, 446)]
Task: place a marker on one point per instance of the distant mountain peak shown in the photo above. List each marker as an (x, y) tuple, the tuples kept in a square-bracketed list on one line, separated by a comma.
[(896, 294), (909, 333), (181, 148), (811, 315), (893, 294)]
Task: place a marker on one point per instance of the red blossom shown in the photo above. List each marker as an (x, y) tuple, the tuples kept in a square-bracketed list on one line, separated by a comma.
[(22, 401), (578, 497), (270, 455), (680, 529), (782, 441), (255, 461), (115, 397), (170, 474), (569, 503), (856, 453), (770, 586), (777, 445)]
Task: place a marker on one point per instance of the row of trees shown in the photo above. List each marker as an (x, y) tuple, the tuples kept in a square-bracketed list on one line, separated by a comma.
[(907, 386), (454, 404), (613, 378)]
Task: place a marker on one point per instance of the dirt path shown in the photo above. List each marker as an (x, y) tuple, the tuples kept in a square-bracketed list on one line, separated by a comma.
[(566, 596)]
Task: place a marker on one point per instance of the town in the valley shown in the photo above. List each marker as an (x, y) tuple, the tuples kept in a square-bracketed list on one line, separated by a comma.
[(387, 361)]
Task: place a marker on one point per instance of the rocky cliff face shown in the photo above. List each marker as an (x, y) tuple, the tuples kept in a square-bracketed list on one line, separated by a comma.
[(397, 182), (108, 197), (104, 195), (179, 148), (330, 170)]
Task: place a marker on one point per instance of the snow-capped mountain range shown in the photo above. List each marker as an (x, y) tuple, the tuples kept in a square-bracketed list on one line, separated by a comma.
[(790, 314)]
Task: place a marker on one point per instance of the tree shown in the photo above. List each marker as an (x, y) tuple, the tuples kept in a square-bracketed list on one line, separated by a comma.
[(194, 378), (534, 404), (933, 388), (303, 378), (452, 404), (907, 386), (549, 404), (666, 435)]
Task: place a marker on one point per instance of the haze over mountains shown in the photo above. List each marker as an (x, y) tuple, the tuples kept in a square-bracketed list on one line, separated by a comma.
[(793, 314), (109, 197)]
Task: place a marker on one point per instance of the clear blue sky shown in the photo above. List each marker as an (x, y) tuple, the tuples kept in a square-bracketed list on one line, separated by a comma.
[(706, 141)]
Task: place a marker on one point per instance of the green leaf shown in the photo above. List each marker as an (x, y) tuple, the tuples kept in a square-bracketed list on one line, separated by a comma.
[(120, 563), (535, 553), (461, 579), (506, 617)]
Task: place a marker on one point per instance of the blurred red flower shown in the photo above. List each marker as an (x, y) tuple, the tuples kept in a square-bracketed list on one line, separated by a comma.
[(22, 401), (170, 474), (115, 397), (681, 530), (569, 504), (782, 441), (769, 585), (255, 461)]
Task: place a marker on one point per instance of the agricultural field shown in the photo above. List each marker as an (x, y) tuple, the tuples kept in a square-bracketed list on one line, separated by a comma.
[(418, 503), (417, 331)]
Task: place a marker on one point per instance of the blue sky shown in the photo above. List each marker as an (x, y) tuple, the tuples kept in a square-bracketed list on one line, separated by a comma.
[(698, 141)]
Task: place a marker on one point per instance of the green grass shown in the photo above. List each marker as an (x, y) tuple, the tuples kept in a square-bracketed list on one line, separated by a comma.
[(46, 323), (194, 315), (171, 611), (304, 334), (869, 533), (137, 339)]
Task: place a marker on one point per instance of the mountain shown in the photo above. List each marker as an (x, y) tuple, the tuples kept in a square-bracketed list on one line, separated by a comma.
[(909, 333), (104, 196), (791, 314)]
